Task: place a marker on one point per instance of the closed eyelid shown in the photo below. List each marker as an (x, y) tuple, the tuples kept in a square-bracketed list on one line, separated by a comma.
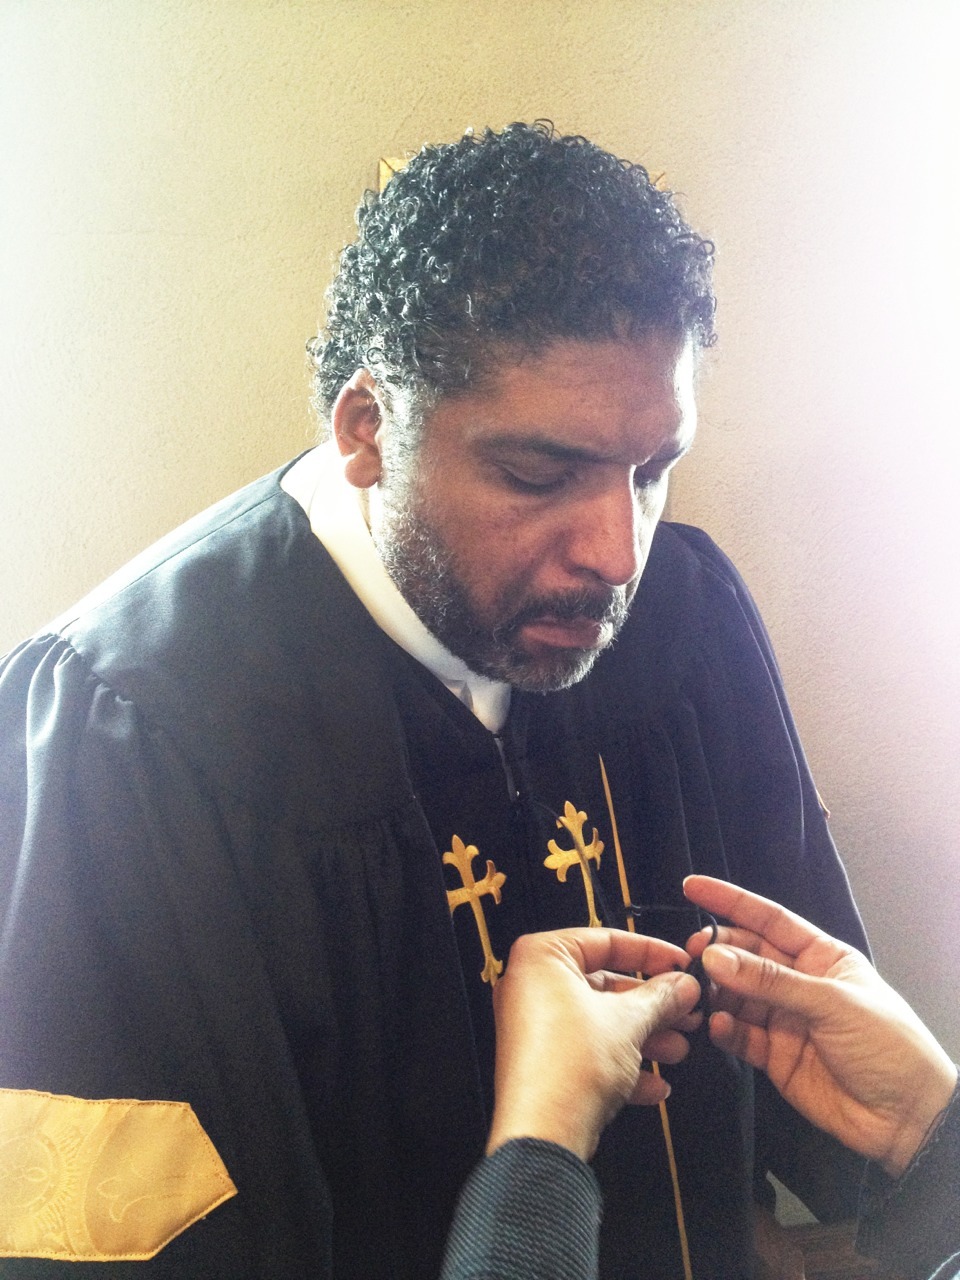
[(665, 461), (548, 473), (533, 464), (659, 468), (534, 479), (656, 470), (546, 466)]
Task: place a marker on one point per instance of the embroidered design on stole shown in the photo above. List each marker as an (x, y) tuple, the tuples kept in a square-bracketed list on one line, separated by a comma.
[(582, 854), (101, 1180), (461, 856)]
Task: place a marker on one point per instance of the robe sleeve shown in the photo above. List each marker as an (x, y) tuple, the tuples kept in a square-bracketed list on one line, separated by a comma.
[(912, 1225), (531, 1211), (128, 964)]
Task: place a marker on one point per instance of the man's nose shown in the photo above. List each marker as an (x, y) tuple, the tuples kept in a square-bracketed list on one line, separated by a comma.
[(605, 537)]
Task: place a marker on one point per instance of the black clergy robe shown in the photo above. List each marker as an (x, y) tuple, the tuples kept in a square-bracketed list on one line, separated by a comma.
[(225, 797)]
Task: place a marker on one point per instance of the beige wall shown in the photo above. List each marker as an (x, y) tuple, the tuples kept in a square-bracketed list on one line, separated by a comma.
[(179, 175)]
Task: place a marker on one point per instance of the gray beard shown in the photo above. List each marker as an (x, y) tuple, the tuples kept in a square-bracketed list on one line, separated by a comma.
[(422, 569)]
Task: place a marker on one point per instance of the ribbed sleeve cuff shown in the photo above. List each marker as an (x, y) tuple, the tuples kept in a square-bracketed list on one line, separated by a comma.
[(531, 1211)]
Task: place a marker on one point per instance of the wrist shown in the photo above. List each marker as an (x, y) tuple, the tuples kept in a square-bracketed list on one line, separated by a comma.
[(563, 1125), (931, 1104)]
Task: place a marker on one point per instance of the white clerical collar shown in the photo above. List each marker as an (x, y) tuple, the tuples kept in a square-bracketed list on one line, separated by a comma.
[(332, 505)]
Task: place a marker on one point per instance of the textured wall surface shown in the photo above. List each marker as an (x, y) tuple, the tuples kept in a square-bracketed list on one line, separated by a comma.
[(178, 178)]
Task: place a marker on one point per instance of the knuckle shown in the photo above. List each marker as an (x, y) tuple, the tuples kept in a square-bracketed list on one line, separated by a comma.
[(768, 974)]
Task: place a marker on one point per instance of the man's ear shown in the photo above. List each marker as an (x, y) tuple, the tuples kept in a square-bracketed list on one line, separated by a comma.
[(356, 421)]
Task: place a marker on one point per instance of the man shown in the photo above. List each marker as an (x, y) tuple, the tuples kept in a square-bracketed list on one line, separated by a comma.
[(277, 802)]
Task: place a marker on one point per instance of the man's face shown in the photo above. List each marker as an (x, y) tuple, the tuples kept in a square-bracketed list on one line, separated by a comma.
[(518, 527)]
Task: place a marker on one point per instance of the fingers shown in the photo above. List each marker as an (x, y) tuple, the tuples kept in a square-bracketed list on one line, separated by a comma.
[(655, 1013), (745, 1008), (663, 1011), (556, 976), (749, 1043), (658, 1012), (666, 1046), (649, 1090), (667, 1000), (743, 939), (615, 949), (561, 989), (761, 979), (789, 932)]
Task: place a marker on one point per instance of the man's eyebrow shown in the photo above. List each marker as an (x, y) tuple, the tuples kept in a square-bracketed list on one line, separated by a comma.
[(545, 447), (542, 446)]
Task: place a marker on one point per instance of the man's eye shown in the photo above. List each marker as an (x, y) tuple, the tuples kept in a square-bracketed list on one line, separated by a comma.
[(648, 479), (530, 484)]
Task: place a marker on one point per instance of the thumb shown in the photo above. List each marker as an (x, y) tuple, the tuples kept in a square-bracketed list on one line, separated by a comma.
[(663, 1000), (759, 978)]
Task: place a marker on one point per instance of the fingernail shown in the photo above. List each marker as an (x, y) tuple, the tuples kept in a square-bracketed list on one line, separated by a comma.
[(718, 957)]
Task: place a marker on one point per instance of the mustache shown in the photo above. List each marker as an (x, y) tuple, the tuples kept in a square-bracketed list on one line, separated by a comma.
[(605, 607)]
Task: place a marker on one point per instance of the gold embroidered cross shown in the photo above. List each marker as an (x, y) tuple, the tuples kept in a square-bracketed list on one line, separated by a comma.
[(461, 856), (561, 860)]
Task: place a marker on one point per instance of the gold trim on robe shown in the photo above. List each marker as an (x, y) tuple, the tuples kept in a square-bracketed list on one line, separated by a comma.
[(101, 1180)]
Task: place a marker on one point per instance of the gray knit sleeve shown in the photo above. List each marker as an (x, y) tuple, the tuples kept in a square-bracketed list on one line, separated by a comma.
[(531, 1211)]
